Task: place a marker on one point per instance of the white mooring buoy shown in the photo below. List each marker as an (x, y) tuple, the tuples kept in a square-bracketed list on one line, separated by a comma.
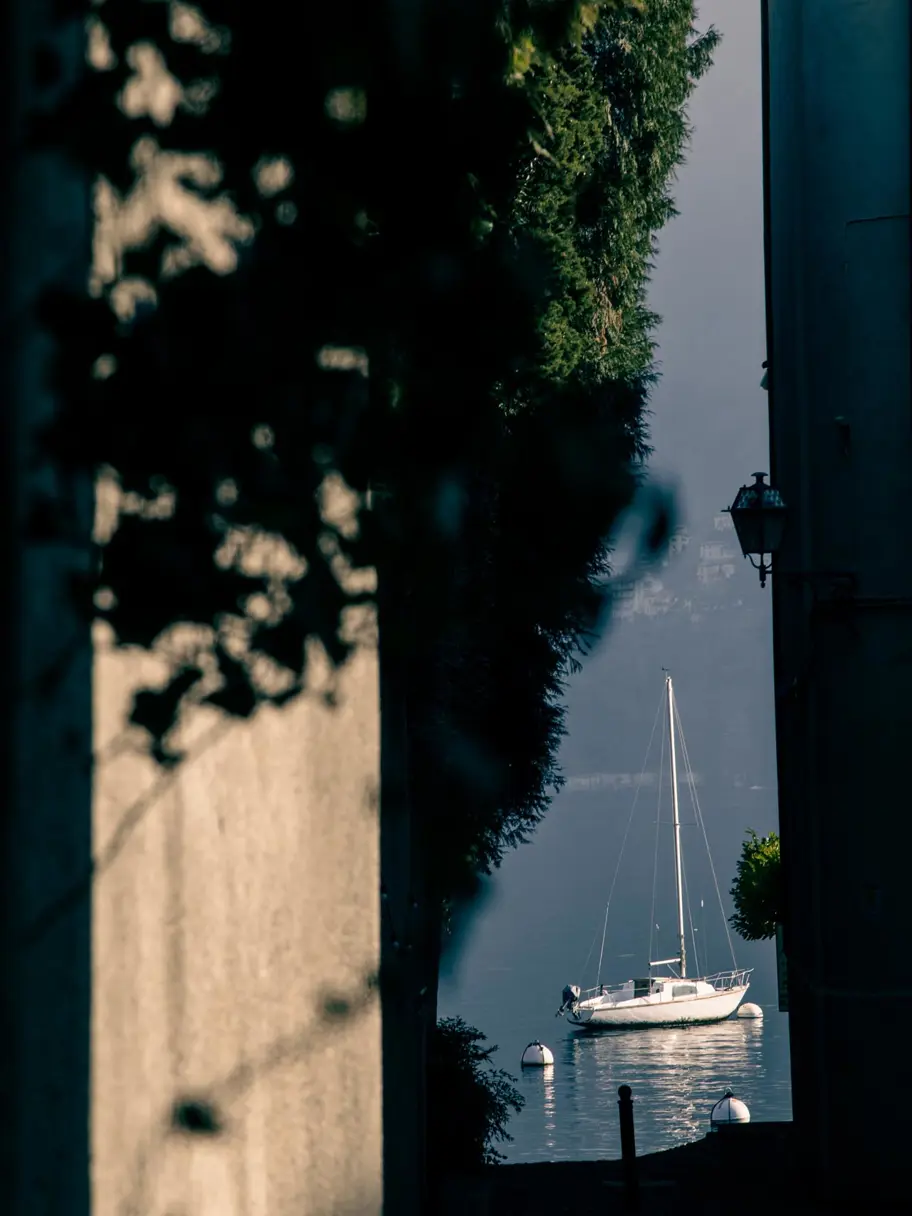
[(537, 1055), (728, 1110), (750, 1011)]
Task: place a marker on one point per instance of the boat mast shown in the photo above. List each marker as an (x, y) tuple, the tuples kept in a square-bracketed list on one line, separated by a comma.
[(676, 818)]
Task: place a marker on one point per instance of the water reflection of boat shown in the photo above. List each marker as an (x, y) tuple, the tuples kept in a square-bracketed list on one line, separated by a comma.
[(679, 1075), (549, 1108), (571, 1111)]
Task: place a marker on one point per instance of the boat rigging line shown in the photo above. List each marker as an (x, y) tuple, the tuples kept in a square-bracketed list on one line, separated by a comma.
[(655, 860), (617, 868), (699, 814)]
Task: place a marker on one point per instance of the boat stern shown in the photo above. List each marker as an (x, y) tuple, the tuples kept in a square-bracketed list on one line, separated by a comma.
[(570, 999)]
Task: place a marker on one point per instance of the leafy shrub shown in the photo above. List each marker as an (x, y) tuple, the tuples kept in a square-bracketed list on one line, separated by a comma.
[(757, 891), (468, 1101)]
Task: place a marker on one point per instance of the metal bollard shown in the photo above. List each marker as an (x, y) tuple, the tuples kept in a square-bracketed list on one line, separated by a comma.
[(628, 1150)]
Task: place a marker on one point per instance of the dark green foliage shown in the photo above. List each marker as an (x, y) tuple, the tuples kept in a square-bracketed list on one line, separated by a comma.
[(475, 219), (587, 189), (468, 1102), (596, 187), (758, 891)]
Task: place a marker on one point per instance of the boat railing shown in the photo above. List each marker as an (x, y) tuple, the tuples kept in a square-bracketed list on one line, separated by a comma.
[(724, 981)]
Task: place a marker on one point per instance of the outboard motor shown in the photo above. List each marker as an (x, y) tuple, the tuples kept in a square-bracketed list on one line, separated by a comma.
[(569, 998)]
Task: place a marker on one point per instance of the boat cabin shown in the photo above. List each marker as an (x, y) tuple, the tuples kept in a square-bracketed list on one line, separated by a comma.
[(669, 988)]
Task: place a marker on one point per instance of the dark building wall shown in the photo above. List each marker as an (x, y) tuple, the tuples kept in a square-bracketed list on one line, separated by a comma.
[(45, 664), (408, 953), (837, 181)]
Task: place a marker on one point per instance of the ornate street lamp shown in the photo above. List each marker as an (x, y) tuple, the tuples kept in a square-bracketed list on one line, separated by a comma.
[(759, 515)]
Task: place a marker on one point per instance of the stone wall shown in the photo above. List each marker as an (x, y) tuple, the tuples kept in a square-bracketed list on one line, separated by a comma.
[(235, 956), (190, 1019)]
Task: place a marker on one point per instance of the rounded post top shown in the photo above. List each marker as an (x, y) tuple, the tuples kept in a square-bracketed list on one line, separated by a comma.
[(625, 1093)]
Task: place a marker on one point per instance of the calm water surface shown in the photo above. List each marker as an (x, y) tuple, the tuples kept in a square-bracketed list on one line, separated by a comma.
[(676, 1075)]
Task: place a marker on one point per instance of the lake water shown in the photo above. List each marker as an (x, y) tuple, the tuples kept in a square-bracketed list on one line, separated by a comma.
[(534, 935), (676, 1075)]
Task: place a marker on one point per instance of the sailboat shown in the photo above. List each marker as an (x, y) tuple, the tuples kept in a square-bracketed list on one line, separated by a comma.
[(673, 998)]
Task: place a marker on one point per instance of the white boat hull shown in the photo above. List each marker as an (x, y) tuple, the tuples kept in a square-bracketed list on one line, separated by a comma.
[(645, 1011)]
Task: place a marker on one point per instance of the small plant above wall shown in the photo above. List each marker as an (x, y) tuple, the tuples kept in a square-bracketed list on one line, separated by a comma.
[(757, 890)]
